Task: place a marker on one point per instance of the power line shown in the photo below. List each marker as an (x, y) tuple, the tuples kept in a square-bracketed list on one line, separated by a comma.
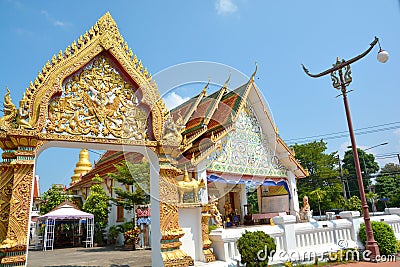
[(341, 134)]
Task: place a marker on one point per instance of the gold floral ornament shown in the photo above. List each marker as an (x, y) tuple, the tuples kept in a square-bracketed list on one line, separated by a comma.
[(98, 102)]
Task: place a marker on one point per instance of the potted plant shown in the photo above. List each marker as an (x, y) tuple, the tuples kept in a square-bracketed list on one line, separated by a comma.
[(131, 238), (113, 234)]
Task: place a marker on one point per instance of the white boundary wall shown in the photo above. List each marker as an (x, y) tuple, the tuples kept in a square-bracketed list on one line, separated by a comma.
[(295, 239)]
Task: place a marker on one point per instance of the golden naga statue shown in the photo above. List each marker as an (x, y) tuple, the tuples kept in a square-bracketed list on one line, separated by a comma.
[(12, 115), (188, 186), (10, 112)]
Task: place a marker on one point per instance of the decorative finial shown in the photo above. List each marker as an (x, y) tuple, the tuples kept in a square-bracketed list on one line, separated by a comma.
[(254, 73), (204, 92), (227, 80), (186, 176)]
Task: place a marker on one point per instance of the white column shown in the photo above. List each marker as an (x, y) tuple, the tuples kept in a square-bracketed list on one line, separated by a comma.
[(243, 201), (286, 222), (354, 218), (201, 173), (155, 213), (190, 222), (294, 203)]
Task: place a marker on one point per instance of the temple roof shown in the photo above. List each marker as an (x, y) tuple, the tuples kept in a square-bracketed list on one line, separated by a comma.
[(214, 117), (208, 119)]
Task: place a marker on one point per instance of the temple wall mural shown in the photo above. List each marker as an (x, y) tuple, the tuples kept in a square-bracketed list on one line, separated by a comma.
[(246, 151)]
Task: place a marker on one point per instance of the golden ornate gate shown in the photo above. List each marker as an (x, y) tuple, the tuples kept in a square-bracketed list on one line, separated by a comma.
[(96, 91)]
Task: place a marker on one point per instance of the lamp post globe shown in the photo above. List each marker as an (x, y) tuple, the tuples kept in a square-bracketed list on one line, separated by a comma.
[(383, 56)]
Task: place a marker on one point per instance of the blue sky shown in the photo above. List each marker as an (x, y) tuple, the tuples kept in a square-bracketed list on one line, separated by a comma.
[(278, 35)]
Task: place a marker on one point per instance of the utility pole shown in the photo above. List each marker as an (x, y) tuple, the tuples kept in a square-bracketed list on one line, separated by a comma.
[(398, 157)]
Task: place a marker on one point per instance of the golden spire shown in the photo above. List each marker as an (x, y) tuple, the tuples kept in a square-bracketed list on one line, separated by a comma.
[(83, 166), (186, 176)]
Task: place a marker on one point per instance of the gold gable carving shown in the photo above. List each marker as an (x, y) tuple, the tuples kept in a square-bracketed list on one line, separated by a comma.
[(103, 36), (97, 101)]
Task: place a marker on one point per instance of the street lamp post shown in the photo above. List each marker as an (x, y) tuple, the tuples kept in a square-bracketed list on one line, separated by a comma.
[(341, 77)]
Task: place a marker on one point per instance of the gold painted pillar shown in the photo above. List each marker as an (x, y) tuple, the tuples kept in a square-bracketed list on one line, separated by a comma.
[(6, 183), (205, 217), (15, 245), (171, 231)]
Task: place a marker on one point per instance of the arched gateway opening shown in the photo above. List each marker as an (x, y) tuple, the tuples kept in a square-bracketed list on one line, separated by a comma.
[(96, 94)]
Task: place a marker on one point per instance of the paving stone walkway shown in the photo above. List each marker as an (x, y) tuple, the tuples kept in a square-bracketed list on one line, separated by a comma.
[(89, 257)]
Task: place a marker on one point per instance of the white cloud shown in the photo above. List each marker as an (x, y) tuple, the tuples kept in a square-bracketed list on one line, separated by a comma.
[(52, 20), (225, 7), (172, 100)]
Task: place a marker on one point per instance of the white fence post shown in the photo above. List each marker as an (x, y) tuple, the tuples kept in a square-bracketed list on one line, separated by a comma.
[(286, 222), (353, 216)]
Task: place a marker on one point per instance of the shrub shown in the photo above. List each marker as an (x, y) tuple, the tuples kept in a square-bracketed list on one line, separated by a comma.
[(251, 243), (112, 233), (384, 236)]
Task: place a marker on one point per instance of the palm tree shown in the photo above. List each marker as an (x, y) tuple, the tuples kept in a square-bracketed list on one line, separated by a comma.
[(318, 194)]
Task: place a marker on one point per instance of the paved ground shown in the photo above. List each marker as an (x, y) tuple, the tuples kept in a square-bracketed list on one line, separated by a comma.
[(98, 256), (111, 257)]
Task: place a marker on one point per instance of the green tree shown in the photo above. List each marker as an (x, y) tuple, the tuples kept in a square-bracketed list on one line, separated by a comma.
[(388, 184), (135, 179), (97, 203), (53, 197), (354, 203), (318, 195), (370, 166), (323, 175)]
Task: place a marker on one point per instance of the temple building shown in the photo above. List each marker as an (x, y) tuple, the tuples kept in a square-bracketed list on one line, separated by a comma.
[(229, 141)]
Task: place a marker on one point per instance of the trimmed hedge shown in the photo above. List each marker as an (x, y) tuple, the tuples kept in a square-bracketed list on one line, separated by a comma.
[(251, 243), (384, 236)]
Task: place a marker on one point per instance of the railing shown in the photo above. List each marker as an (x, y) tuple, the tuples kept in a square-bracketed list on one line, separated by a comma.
[(320, 237), (298, 238)]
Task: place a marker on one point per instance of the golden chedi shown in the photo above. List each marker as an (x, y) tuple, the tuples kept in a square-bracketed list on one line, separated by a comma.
[(83, 166)]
